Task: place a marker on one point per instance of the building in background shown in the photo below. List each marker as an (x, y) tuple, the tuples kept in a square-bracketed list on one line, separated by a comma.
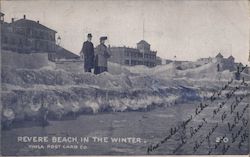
[(126, 56), (62, 54), (27, 36), (158, 60), (205, 60), (222, 62), (219, 57), (167, 61), (1, 17), (142, 55), (249, 56)]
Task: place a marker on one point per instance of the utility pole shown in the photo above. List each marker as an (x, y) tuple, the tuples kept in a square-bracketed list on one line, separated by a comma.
[(249, 35), (231, 49), (143, 31)]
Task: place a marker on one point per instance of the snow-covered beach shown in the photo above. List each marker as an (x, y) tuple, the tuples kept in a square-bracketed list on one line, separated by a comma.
[(125, 102)]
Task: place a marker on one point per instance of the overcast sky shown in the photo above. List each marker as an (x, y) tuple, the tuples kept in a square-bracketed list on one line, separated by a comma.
[(186, 29)]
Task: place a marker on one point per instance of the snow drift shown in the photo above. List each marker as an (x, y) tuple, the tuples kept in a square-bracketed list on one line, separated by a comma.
[(65, 90)]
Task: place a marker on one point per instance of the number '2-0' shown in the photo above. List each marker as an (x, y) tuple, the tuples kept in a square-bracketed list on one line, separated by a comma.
[(223, 139)]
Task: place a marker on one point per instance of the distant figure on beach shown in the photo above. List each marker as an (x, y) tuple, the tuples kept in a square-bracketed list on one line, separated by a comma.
[(102, 54), (87, 53), (218, 67), (237, 74)]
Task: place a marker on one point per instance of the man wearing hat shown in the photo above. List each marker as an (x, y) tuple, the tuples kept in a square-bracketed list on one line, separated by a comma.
[(88, 53), (102, 54)]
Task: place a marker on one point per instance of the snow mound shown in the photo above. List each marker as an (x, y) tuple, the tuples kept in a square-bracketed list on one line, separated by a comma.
[(63, 89), (25, 60)]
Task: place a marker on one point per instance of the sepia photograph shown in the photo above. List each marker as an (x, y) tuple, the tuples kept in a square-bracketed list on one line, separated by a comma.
[(124, 77)]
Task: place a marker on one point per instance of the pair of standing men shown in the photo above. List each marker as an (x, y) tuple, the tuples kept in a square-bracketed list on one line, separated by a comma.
[(97, 59)]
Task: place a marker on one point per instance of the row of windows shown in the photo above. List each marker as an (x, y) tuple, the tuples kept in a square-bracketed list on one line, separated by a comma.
[(136, 62), (34, 33), (133, 54), (133, 62), (150, 64), (140, 55), (127, 62), (38, 45), (149, 56), (42, 45), (14, 41), (43, 35), (20, 31), (143, 47)]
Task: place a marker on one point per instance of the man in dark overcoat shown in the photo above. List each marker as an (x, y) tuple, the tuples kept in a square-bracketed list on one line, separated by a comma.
[(87, 53)]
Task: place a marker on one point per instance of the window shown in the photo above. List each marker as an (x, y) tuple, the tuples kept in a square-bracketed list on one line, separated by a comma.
[(20, 31), (5, 39), (127, 62), (133, 54), (132, 62), (13, 41), (36, 44), (20, 42), (26, 42), (41, 45), (41, 35), (35, 33), (29, 31), (47, 36), (127, 53), (53, 47), (47, 46)]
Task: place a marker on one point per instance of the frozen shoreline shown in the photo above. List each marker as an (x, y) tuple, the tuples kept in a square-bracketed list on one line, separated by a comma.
[(62, 92)]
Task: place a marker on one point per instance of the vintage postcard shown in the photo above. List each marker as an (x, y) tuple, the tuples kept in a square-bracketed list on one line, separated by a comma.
[(126, 77)]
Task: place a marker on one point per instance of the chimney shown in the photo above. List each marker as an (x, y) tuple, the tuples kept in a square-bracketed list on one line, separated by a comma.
[(37, 21), (12, 20), (24, 16)]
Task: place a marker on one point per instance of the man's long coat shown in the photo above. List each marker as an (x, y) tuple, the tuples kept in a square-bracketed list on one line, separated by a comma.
[(88, 52)]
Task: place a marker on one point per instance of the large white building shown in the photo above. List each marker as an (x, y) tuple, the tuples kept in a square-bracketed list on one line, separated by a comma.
[(142, 55)]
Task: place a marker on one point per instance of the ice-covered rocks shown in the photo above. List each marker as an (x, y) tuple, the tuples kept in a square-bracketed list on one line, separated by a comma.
[(28, 93)]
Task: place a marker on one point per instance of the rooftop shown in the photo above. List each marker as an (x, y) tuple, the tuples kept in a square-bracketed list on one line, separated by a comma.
[(30, 23), (64, 53), (219, 55), (143, 42), (123, 47), (230, 57)]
